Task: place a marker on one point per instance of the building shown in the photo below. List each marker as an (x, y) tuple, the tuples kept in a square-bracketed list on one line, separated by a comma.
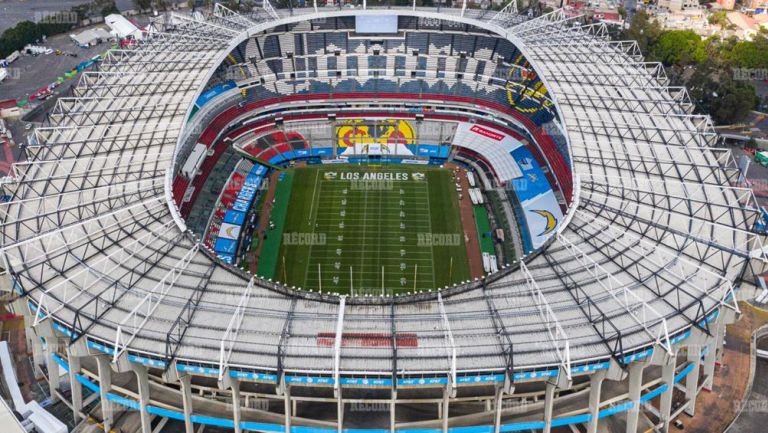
[(91, 37), (678, 5), (727, 4)]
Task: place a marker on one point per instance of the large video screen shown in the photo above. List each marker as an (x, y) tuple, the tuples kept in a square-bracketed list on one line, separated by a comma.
[(368, 24)]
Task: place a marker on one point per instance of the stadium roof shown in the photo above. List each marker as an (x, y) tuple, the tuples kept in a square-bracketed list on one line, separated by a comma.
[(656, 239)]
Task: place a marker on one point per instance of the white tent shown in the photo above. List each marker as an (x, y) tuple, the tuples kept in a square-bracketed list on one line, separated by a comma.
[(121, 27)]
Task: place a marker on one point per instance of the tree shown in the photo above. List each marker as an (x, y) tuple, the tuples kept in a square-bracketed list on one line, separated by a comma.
[(747, 54), (108, 7), (643, 29), (142, 4), (679, 47), (622, 12), (718, 17), (717, 93)]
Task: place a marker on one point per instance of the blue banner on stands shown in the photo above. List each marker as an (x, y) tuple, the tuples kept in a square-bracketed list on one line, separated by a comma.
[(241, 205), (147, 361), (527, 375), (246, 194), (428, 150), (364, 381), (260, 377), (214, 92), (302, 153), (486, 378), (423, 381), (224, 245), (234, 217), (253, 180), (196, 369), (533, 182), (226, 258), (322, 151), (309, 380)]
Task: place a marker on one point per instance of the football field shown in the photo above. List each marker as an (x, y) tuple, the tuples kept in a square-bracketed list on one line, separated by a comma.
[(369, 230)]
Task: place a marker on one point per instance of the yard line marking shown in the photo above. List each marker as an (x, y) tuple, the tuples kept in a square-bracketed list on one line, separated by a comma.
[(311, 226), (432, 257)]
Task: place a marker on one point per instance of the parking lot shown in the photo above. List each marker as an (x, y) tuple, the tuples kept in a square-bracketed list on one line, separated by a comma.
[(13, 12), (30, 73)]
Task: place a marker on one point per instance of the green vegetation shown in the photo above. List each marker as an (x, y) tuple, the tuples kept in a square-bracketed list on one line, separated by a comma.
[(269, 250), (719, 17), (679, 47), (28, 32), (350, 220), (502, 222), (483, 230), (715, 71)]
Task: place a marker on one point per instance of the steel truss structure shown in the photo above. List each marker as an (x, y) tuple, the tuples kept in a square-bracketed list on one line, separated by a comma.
[(657, 239)]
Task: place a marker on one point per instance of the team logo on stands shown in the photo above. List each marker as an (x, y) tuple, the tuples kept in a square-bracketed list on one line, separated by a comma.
[(551, 221), (523, 85), (383, 132)]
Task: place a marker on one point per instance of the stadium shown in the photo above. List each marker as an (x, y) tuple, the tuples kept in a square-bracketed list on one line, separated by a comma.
[(401, 219)]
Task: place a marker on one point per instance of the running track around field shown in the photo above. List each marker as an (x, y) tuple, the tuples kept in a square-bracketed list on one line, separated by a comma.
[(472, 243)]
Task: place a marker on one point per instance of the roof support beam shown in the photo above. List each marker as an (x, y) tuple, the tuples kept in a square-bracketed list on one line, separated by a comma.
[(78, 284), (229, 338), (338, 338), (555, 331), (448, 339), (134, 322)]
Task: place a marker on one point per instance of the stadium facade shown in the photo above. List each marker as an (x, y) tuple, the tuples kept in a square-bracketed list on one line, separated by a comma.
[(617, 316)]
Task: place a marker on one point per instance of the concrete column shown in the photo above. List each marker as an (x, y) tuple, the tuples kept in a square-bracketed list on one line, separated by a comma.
[(635, 387), (339, 411), (142, 381), (38, 354), (75, 387), (20, 306), (713, 353), (720, 336), (236, 404), (709, 364), (53, 368), (595, 391), (665, 400), (186, 398), (498, 406), (445, 406), (105, 385), (692, 380), (549, 400), (287, 396), (392, 411)]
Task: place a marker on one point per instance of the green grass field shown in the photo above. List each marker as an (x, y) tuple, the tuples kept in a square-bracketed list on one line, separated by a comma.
[(342, 228)]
